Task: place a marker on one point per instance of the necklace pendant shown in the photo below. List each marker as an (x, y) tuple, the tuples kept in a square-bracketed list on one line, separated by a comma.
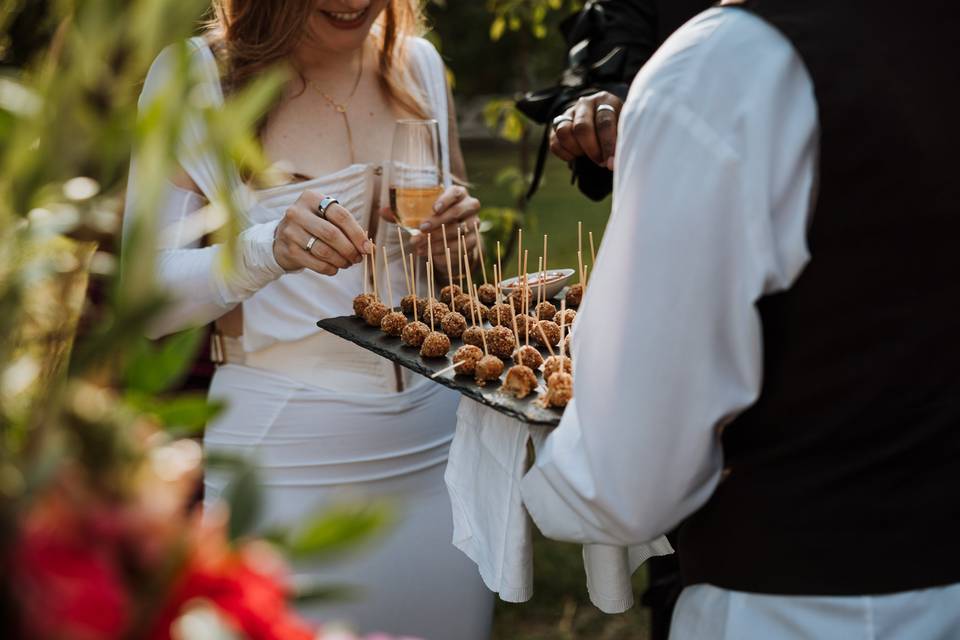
[(341, 108)]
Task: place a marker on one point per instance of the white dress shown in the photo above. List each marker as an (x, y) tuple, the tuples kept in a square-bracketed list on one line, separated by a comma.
[(324, 420)]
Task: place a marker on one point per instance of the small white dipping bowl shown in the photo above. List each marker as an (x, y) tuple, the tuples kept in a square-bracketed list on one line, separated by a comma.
[(554, 282)]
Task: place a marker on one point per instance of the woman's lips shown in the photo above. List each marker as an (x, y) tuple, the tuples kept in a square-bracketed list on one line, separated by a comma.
[(346, 20)]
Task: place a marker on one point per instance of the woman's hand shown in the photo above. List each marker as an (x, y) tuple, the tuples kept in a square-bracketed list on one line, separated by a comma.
[(455, 207), (585, 130), (340, 241)]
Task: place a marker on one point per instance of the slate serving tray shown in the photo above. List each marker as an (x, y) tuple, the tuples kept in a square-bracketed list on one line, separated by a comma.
[(528, 409)]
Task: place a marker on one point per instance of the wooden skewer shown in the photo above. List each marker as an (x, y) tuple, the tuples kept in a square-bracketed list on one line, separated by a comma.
[(545, 340), (580, 266), (473, 301), (450, 368), (446, 250), (593, 253), (516, 335), (403, 261), (364, 274), (580, 236), (524, 286), (386, 273), (526, 312), (373, 268), (519, 253), (460, 259), (449, 275), (586, 276), (430, 308), (540, 288), (483, 334), (563, 321), (413, 272), (499, 270), (544, 277), (496, 299), (483, 265), (430, 273)]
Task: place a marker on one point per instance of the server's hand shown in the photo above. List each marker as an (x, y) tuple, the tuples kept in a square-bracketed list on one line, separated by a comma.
[(588, 128)]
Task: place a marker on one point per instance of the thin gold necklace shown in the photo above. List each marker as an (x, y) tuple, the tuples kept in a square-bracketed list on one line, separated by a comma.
[(341, 107)]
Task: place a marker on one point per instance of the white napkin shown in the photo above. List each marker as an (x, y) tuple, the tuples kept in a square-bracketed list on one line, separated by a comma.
[(488, 458)]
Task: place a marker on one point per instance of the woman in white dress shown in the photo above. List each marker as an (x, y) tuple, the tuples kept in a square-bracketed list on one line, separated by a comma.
[(325, 420)]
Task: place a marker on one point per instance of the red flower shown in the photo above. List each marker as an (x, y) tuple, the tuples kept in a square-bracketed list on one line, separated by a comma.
[(68, 590), (254, 602)]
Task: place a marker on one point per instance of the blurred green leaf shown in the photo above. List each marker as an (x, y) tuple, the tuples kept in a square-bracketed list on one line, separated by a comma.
[(154, 367), (315, 593), (336, 529), (245, 499), (184, 414)]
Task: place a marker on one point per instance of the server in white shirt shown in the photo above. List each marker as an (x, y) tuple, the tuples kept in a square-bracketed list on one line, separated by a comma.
[(767, 353)]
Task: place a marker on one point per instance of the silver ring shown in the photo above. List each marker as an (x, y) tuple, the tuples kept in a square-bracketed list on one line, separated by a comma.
[(325, 204), (559, 120), (312, 241), (605, 107)]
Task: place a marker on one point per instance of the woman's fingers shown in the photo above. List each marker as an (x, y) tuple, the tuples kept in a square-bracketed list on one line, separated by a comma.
[(349, 228), (299, 237), (593, 131), (387, 214), (310, 261), (451, 197)]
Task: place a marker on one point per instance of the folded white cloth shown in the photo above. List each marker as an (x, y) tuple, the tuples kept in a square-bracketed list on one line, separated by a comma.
[(488, 458)]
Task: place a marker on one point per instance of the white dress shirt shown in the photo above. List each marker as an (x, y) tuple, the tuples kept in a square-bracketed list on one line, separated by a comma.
[(715, 176)]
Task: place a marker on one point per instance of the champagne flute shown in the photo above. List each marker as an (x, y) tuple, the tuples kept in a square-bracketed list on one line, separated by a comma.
[(416, 176)]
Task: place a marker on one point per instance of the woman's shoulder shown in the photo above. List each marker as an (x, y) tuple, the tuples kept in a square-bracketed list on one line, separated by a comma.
[(192, 56), (421, 51)]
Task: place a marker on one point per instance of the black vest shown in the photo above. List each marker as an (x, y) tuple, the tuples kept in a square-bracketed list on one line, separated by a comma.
[(844, 477)]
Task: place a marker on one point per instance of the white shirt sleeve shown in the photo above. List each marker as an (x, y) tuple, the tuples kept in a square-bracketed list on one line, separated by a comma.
[(714, 172), (201, 287)]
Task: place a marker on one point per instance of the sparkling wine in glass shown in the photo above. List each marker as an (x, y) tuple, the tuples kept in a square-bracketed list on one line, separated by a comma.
[(416, 176)]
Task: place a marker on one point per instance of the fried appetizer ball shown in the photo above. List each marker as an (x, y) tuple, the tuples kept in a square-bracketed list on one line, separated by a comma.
[(501, 341), (487, 293), (469, 356), (530, 357), (414, 334), (517, 298), (461, 303), (453, 324), (556, 364), (524, 324), (547, 328), (488, 368), (435, 309), (449, 293), (422, 305), (360, 303), (406, 304), (566, 346), (393, 323), (574, 295), (473, 335), (500, 314), (559, 390), (545, 311), (435, 345), (481, 311), (521, 380), (374, 313), (567, 316)]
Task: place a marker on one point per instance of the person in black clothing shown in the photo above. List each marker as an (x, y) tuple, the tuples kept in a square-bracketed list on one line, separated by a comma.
[(609, 41)]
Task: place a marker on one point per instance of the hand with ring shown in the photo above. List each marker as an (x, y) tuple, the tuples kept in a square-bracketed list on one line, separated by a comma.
[(453, 208), (588, 128), (323, 238)]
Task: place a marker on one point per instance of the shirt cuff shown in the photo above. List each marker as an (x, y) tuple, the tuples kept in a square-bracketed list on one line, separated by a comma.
[(550, 512), (256, 250)]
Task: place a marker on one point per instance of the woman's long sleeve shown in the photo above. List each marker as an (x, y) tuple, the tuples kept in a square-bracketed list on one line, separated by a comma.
[(200, 287)]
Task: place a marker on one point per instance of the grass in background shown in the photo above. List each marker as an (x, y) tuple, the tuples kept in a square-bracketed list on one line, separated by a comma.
[(554, 210), (560, 608)]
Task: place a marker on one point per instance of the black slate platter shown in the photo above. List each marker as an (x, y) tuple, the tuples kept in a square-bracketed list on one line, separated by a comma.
[(528, 409)]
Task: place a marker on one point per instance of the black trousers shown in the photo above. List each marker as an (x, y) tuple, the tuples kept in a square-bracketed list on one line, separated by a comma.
[(663, 590)]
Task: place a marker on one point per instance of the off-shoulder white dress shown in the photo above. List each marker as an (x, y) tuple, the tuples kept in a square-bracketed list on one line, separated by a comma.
[(324, 420)]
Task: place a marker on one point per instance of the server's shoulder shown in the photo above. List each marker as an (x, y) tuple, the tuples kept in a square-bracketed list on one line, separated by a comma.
[(720, 53)]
